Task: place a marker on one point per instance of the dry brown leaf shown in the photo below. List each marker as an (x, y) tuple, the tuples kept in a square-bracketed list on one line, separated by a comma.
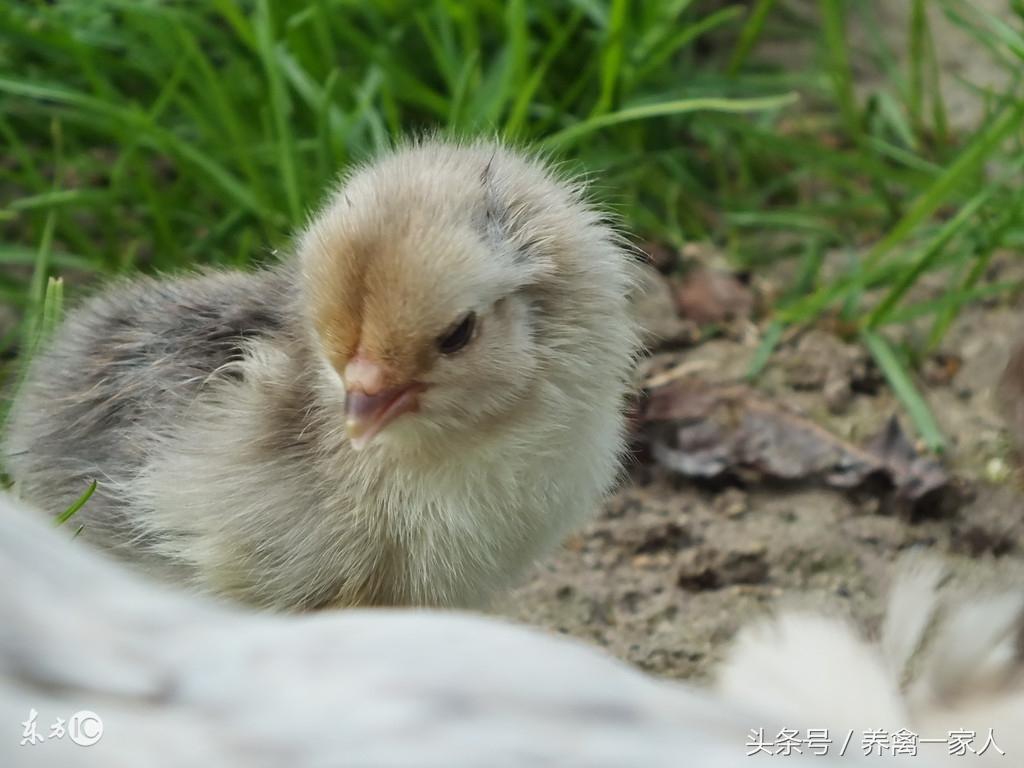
[(709, 295), (706, 430)]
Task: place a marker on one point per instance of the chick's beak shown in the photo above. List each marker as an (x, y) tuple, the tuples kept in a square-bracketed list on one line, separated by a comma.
[(369, 404)]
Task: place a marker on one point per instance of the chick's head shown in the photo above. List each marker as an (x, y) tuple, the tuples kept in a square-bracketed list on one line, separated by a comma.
[(448, 286)]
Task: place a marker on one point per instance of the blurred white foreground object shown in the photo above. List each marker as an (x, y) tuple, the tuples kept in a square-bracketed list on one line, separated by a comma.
[(182, 681), (98, 667), (947, 672)]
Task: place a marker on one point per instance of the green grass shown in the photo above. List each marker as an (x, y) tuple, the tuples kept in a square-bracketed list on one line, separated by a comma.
[(152, 135), (76, 505)]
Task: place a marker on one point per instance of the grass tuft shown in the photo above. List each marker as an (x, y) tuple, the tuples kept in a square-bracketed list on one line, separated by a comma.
[(145, 135)]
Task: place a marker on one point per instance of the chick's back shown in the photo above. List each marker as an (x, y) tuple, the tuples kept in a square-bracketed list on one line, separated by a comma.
[(125, 363)]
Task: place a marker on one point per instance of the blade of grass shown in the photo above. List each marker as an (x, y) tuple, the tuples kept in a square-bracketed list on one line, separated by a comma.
[(916, 61), (80, 502), (807, 274), (749, 35), (41, 268), (924, 260), (948, 305), (39, 323), (764, 351), (568, 136), (16, 255), (611, 58), (150, 133), (53, 308), (839, 65), (281, 108), (954, 177), (940, 121), (979, 265), (526, 93), (683, 37), (903, 387)]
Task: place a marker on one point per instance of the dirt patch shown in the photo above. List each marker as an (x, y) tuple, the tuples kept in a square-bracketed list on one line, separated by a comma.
[(670, 570)]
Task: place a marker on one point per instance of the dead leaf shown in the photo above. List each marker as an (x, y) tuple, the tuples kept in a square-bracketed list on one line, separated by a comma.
[(707, 430), (915, 476), (709, 295), (655, 312)]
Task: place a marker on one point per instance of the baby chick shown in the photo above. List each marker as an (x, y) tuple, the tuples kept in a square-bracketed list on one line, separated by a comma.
[(409, 411)]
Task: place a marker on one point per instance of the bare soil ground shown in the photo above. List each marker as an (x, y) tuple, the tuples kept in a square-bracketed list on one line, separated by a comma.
[(669, 571)]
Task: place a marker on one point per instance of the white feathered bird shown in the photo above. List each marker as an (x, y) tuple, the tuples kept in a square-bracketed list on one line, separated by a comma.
[(948, 661), (181, 681)]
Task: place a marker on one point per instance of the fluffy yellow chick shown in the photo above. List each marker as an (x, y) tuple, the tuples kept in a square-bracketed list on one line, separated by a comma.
[(411, 410)]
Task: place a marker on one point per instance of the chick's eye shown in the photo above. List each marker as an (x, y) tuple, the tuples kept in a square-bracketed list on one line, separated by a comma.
[(459, 336)]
